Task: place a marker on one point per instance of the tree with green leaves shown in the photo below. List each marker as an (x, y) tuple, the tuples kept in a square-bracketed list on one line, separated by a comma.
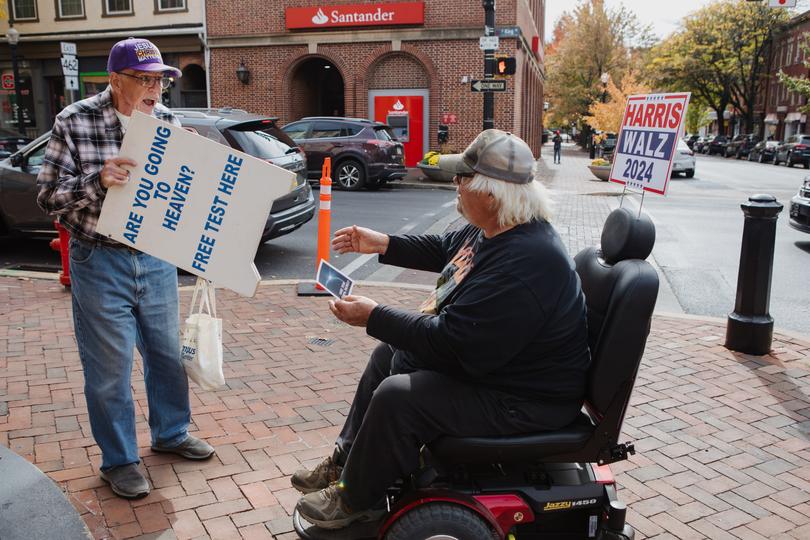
[(589, 41), (720, 55)]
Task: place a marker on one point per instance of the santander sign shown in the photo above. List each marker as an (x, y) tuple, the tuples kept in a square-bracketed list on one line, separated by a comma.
[(355, 15)]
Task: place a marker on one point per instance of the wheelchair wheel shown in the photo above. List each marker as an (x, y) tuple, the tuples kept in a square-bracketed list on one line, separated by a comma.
[(440, 521)]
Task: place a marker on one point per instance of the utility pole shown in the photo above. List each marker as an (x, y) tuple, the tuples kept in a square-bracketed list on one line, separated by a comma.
[(489, 63)]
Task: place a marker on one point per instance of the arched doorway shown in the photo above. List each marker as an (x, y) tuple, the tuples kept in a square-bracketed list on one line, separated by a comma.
[(316, 89), (192, 87)]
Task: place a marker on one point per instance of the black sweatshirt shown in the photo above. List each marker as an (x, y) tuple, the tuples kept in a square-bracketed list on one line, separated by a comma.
[(516, 323)]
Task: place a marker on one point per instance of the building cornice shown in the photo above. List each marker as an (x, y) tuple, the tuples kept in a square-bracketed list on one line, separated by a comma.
[(312, 39)]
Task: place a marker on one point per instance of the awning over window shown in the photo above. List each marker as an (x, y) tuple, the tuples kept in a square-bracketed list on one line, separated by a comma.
[(793, 117), (771, 119)]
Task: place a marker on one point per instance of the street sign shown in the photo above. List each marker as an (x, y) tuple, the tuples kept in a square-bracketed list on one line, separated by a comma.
[(488, 85), (70, 65), (782, 3), (71, 83), (488, 43), (8, 81), (648, 140), (509, 31), (68, 48), (449, 118)]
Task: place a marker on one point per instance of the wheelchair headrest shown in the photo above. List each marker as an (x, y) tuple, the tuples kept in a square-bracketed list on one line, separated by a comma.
[(627, 235)]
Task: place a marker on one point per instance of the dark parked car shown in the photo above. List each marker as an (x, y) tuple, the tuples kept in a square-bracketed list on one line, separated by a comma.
[(795, 150), (716, 146), (364, 153), (608, 145), (252, 134), (763, 151), (10, 142), (691, 140), (741, 145), (701, 144), (800, 208)]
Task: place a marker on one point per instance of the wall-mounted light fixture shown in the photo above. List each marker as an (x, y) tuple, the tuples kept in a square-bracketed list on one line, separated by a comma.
[(243, 73)]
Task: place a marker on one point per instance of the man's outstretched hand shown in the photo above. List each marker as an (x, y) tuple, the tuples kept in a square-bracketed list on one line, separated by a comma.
[(353, 310), (356, 239)]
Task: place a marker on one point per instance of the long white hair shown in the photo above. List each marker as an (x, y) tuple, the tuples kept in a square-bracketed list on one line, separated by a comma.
[(516, 203)]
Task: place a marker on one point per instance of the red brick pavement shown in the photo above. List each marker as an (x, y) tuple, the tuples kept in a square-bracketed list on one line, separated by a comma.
[(722, 438)]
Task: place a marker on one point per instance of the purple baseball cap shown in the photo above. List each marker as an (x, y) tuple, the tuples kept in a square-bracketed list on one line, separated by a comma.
[(139, 54)]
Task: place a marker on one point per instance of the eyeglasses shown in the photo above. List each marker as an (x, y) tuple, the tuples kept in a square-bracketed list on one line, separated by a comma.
[(150, 82), (457, 179)]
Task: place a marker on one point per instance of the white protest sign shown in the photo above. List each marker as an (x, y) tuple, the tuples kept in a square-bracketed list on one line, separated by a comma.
[(648, 140), (192, 202)]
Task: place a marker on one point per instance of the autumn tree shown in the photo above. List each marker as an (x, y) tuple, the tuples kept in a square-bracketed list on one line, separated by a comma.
[(607, 116), (587, 42), (720, 55)]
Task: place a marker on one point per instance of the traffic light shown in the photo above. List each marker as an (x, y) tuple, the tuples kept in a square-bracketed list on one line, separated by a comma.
[(505, 65)]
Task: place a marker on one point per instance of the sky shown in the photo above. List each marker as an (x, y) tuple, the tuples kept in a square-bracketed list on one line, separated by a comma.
[(664, 15)]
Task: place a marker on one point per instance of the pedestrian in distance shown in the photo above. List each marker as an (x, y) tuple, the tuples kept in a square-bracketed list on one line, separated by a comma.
[(498, 348), (557, 140), (122, 298)]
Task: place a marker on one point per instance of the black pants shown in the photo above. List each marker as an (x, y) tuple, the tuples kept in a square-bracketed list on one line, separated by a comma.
[(556, 154), (392, 416)]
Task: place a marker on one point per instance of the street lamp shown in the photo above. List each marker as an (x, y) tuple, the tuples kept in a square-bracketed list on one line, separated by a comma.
[(243, 73), (605, 77), (13, 37)]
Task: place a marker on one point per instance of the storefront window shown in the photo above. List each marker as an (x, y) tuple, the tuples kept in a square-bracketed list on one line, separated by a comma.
[(8, 102), (91, 84)]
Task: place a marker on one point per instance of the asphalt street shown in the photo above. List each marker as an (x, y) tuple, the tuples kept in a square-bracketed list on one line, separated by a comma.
[(699, 233)]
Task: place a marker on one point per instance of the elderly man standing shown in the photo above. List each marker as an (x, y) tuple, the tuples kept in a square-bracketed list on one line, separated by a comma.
[(500, 347), (122, 298)]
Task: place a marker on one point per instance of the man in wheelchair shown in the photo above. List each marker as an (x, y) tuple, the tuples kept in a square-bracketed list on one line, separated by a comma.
[(500, 347)]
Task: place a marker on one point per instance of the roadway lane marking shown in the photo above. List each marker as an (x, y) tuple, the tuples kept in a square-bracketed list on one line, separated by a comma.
[(437, 228)]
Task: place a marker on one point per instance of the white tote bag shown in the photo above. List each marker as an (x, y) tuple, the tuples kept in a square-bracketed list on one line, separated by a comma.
[(202, 339)]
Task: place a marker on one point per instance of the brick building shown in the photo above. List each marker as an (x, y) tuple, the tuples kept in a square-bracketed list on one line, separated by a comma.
[(407, 63), (93, 26), (779, 109)]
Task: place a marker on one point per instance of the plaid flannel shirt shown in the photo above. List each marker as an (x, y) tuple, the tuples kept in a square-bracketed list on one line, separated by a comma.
[(84, 135)]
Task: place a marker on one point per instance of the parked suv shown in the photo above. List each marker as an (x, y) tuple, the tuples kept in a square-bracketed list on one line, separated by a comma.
[(795, 150), (800, 208), (741, 145), (364, 153), (252, 134), (260, 137)]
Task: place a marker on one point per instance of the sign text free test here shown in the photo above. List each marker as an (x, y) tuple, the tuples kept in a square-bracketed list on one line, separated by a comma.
[(193, 202)]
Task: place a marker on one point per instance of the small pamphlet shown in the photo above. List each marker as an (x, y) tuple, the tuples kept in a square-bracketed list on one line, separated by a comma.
[(333, 280)]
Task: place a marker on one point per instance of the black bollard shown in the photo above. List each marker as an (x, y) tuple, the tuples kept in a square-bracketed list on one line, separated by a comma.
[(750, 326)]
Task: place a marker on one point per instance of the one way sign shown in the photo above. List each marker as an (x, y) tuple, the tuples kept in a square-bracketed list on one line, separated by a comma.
[(488, 85)]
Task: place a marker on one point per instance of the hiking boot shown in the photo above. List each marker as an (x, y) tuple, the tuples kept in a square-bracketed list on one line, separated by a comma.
[(326, 509), (191, 448), (127, 481), (327, 472)]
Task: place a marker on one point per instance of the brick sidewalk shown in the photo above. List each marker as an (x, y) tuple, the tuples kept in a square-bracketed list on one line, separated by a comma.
[(722, 438)]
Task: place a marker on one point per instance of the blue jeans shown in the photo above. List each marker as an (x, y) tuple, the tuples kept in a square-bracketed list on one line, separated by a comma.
[(556, 155), (123, 299)]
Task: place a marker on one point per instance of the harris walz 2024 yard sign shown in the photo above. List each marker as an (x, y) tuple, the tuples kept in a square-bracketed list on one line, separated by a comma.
[(648, 140)]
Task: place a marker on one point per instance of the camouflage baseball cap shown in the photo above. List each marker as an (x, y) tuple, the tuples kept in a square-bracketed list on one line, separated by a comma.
[(495, 153)]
